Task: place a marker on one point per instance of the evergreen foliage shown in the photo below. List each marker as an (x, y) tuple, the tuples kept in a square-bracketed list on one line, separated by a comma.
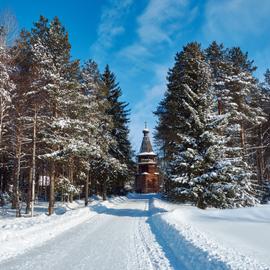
[(211, 100), (118, 112), (59, 121), (68, 123)]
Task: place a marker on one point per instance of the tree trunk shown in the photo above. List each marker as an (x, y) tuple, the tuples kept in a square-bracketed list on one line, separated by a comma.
[(87, 188), (260, 159), (1, 120), (29, 194), (5, 179), (53, 173), (71, 176), (51, 195), (219, 106), (2, 157), (33, 169), (104, 191), (243, 139), (16, 175)]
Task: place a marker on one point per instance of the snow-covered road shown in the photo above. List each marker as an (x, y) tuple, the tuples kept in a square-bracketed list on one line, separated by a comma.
[(119, 237)]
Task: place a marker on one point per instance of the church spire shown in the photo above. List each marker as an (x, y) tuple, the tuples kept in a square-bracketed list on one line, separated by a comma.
[(147, 177), (146, 146)]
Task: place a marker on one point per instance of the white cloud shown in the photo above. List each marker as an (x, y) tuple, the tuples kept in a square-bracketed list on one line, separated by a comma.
[(158, 25), (160, 20), (143, 110), (243, 23), (236, 20), (134, 51), (157, 30), (156, 35), (111, 25)]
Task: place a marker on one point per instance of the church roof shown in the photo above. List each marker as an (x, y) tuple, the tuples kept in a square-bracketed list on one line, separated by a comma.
[(146, 147)]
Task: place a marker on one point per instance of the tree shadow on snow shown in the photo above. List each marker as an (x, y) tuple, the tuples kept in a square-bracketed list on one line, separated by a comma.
[(121, 212), (174, 262)]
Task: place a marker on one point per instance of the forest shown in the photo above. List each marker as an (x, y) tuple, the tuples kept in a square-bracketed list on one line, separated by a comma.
[(63, 128)]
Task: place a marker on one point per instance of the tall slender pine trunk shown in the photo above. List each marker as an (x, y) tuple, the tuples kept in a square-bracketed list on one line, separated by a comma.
[(16, 173), (104, 190), (260, 157), (52, 184), (71, 175), (52, 175), (33, 167), (87, 188)]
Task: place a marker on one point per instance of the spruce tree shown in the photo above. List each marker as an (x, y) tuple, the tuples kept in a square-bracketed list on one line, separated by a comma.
[(118, 112), (96, 136), (238, 95), (182, 119), (199, 169)]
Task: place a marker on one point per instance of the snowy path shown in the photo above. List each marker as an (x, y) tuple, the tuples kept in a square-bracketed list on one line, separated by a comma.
[(119, 237)]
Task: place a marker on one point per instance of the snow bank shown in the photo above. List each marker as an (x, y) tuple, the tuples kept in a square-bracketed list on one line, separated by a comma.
[(209, 239), (179, 241), (20, 234), (203, 239)]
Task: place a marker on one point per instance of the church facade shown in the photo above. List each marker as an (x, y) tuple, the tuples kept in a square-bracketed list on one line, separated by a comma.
[(147, 177)]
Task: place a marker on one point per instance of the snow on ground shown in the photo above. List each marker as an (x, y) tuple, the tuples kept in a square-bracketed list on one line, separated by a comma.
[(214, 238), (137, 232), (20, 234), (118, 237)]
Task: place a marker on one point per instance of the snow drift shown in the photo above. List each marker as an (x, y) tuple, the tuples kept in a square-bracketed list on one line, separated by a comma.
[(203, 239)]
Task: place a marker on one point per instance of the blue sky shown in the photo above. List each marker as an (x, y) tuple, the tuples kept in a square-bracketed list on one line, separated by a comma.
[(139, 38)]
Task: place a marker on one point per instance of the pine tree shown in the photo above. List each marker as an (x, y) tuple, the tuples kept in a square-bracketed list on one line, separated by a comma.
[(241, 100), (93, 133), (59, 77), (263, 152), (238, 95), (42, 84), (92, 114), (7, 86), (17, 128)]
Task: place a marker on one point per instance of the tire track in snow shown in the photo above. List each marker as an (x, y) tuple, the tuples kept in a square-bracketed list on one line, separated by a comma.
[(117, 237), (151, 248)]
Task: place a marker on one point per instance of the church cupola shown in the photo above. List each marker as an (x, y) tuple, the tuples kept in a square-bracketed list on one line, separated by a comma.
[(146, 146), (147, 177)]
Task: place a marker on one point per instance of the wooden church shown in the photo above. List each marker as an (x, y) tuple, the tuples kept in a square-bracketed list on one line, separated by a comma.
[(147, 177)]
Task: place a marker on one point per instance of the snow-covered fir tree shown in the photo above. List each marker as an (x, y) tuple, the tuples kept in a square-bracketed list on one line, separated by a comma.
[(118, 112), (199, 166), (101, 165)]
